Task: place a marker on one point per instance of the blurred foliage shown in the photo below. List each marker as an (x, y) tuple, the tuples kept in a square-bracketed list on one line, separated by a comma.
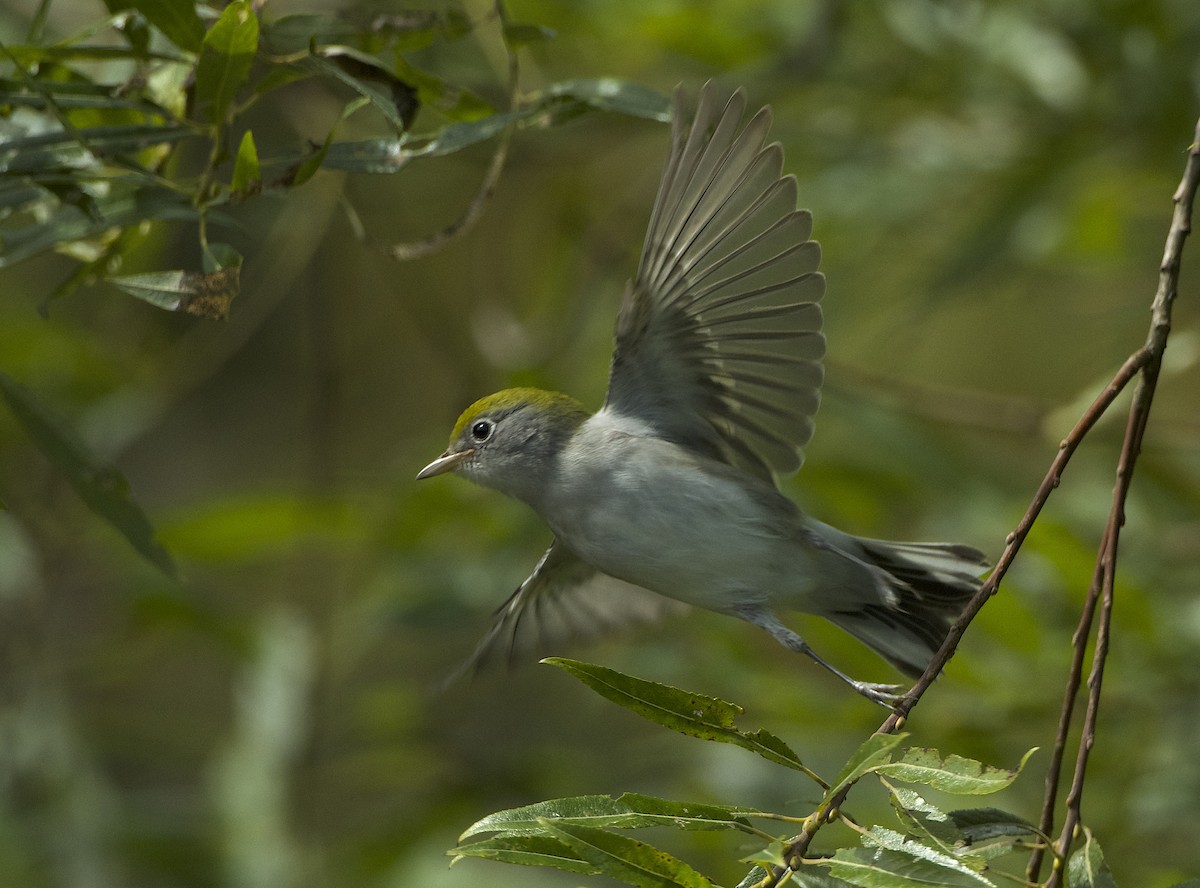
[(991, 185)]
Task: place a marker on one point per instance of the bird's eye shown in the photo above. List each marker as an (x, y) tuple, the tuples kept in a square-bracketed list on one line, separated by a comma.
[(482, 430)]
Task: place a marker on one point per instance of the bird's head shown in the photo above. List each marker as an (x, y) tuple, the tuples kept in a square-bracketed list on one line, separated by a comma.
[(511, 440)]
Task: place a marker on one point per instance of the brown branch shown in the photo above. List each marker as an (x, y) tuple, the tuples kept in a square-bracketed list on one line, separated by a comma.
[(1106, 562), (407, 250), (1079, 643), (1146, 361)]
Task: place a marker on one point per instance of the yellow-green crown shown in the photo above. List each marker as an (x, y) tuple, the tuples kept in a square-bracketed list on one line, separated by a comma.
[(547, 403)]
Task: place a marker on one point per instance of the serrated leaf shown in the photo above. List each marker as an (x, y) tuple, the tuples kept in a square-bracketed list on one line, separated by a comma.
[(628, 811), (811, 877), (890, 840), (694, 715), (100, 486), (203, 294), (247, 174), (177, 19), (953, 773), (774, 853), (876, 750), (627, 860), (925, 821), (985, 824), (755, 877), (883, 868), (1086, 868), (526, 850), (228, 54)]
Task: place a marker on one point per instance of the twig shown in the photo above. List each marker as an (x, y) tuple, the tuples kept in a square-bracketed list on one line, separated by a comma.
[(1079, 642), (1146, 361), (434, 242), (1106, 562)]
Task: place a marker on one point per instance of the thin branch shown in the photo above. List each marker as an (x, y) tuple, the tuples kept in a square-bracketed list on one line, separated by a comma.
[(1079, 643), (1139, 416), (432, 243), (1146, 361)]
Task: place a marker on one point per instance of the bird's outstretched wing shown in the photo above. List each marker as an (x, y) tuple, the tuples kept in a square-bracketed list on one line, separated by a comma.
[(719, 342), (563, 599)]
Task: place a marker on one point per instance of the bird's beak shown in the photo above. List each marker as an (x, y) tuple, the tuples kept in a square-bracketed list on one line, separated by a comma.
[(447, 462)]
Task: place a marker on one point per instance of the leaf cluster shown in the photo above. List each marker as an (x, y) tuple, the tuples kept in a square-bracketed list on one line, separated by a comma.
[(929, 846), (99, 141)]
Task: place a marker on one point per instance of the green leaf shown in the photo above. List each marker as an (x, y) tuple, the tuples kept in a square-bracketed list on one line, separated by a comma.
[(610, 94), (952, 774), (68, 94), (293, 34), (880, 867), (811, 877), (32, 56), (69, 225), (225, 61), (398, 104), (987, 824), (552, 105), (62, 151), (629, 811), (527, 850), (205, 294), (177, 19), (247, 175), (100, 486), (925, 821), (454, 101), (307, 168), (1086, 868), (626, 859), (876, 750), (695, 715), (889, 839)]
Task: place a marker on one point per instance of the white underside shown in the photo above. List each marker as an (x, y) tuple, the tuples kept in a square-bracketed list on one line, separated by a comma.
[(654, 514)]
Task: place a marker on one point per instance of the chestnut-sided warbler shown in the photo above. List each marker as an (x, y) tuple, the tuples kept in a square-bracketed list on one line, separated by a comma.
[(668, 494)]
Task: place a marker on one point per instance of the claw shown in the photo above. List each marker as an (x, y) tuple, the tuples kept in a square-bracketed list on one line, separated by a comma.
[(886, 695)]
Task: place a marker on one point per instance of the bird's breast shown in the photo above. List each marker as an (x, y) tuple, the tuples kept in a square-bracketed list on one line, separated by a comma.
[(652, 513)]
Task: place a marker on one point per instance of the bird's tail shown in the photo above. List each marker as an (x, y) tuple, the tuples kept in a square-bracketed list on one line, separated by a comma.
[(931, 584)]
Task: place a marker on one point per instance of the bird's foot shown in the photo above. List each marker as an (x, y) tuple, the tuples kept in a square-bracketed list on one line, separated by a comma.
[(886, 695)]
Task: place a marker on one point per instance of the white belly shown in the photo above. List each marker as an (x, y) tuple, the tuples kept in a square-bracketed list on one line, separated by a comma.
[(651, 513)]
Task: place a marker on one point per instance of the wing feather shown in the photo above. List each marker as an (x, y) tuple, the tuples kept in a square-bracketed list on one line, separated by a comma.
[(564, 599), (719, 342)]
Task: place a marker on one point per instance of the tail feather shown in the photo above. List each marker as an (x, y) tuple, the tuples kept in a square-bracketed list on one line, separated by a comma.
[(932, 583)]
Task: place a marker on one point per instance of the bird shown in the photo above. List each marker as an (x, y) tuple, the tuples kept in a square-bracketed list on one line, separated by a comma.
[(668, 496)]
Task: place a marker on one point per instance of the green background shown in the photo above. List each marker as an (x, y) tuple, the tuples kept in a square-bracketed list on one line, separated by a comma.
[(991, 184)]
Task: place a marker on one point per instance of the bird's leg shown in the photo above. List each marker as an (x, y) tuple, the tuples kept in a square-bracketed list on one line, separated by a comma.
[(886, 695)]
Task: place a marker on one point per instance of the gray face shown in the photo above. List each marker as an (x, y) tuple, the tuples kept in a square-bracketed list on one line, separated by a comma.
[(515, 449)]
